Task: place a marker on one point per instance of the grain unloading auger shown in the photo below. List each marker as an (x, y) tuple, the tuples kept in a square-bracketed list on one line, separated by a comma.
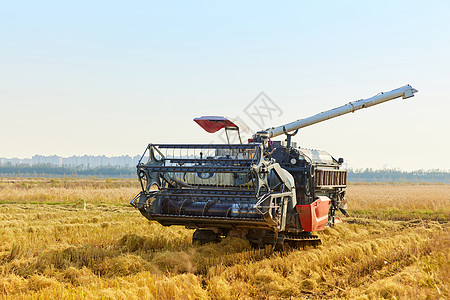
[(269, 192)]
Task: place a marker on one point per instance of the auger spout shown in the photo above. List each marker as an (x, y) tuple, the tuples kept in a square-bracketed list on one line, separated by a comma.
[(405, 92)]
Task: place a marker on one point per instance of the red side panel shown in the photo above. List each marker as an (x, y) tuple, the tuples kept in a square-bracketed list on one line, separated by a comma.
[(314, 217)]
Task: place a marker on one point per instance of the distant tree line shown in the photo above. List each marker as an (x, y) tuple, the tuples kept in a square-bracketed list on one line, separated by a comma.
[(393, 175), (353, 175), (49, 170)]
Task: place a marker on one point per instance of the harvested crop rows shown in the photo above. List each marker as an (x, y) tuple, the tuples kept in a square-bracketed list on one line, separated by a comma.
[(74, 238)]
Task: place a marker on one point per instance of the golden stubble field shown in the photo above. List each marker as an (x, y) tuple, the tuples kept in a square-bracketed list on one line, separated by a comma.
[(79, 239)]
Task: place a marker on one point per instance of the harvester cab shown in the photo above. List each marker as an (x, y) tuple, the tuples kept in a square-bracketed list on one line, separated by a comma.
[(267, 191)]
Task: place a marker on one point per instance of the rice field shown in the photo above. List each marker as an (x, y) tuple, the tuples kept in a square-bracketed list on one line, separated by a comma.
[(79, 239)]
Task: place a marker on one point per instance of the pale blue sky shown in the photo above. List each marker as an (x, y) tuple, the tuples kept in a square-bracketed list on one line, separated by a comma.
[(107, 77)]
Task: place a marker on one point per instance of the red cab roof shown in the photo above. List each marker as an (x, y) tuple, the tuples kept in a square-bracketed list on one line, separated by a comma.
[(214, 123)]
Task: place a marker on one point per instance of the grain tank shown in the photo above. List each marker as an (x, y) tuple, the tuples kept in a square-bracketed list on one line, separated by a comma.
[(266, 191)]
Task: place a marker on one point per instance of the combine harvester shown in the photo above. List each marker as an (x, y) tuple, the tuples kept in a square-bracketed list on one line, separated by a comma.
[(268, 192)]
